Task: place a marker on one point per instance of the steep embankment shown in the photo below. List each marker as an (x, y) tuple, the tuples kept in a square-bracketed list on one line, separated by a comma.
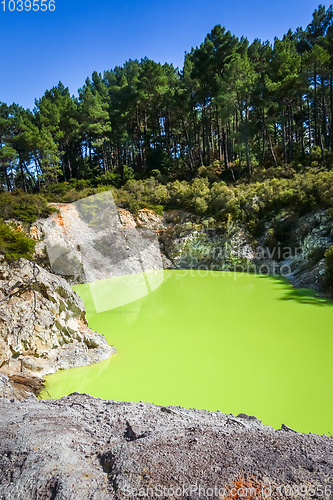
[(43, 327), (289, 245), (90, 240), (42, 320), (79, 448)]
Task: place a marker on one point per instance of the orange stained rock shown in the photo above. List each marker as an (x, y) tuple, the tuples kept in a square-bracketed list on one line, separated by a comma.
[(245, 489), (126, 218), (34, 233)]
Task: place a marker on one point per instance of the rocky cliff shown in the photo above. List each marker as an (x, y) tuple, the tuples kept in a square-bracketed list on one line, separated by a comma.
[(43, 327), (90, 240), (287, 245), (80, 448)]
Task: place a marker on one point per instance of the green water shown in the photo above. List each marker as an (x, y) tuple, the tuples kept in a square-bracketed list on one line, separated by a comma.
[(235, 343)]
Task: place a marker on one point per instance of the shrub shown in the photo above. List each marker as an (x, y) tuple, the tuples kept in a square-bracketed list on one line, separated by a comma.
[(109, 178), (24, 207), (277, 189), (159, 209), (128, 173), (329, 267), (14, 243)]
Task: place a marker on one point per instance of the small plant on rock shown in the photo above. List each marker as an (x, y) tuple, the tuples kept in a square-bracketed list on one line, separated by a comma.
[(329, 268)]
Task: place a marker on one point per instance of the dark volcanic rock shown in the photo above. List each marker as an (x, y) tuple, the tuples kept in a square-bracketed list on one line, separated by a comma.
[(81, 448)]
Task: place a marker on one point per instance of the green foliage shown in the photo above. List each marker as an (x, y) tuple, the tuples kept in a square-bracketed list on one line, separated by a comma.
[(136, 195), (330, 213), (223, 201), (329, 268), (14, 243), (213, 172), (159, 209), (158, 159), (128, 173), (22, 206), (250, 203), (68, 192), (109, 178), (194, 196), (242, 133)]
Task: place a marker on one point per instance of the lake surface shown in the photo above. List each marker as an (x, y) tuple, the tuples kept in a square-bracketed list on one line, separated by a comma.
[(232, 342)]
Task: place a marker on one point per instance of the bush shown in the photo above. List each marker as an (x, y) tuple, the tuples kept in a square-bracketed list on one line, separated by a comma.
[(14, 243), (24, 207), (279, 188), (128, 173), (329, 268), (159, 209), (135, 195), (109, 178)]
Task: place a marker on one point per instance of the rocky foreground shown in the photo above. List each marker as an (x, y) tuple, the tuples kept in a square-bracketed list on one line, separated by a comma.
[(79, 448)]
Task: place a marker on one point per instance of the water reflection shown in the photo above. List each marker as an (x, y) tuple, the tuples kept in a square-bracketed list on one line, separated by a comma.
[(301, 295)]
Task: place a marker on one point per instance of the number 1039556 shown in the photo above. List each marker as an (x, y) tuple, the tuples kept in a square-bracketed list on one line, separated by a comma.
[(21, 5)]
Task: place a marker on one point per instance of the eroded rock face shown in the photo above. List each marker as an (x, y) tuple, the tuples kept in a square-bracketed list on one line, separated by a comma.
[(91, 240), (291, 246), (90, 251), (80, 448), (43, 327)]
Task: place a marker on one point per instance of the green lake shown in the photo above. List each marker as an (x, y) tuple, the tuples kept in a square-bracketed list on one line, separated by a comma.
[(237, 343)]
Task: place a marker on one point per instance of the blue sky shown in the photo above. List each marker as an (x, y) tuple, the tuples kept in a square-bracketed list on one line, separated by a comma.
[(40, 48)]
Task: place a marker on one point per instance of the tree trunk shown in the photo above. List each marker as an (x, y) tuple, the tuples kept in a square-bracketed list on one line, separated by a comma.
[(23, 177), (309, 120), (218, 134), (226, 158), (188, 145), (315, 108), (302, 121), (324, 125), (203, 133), (331, 107), (263, 135), (284, 139), (291, 132)]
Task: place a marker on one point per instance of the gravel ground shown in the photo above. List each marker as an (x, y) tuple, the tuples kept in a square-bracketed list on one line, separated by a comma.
[(81, 448)]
